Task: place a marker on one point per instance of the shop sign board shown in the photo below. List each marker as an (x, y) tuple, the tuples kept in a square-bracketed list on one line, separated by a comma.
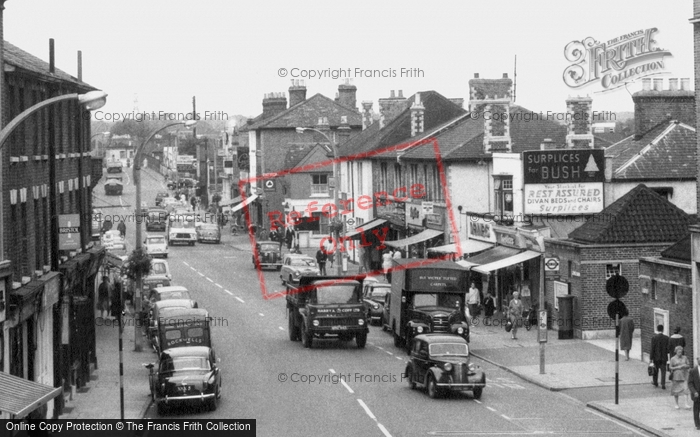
[(414, 214), (563, 182), (480, 229), (68, 231)]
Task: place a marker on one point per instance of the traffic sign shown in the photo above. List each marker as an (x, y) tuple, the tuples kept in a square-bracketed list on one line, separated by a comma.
[(617, 286), (551, 264), (616, 307), (270, 185), (542, 326), (68, 231)]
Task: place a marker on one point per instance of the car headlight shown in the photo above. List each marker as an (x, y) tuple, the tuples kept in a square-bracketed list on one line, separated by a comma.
[(460, 330), (471, 367), (361, 322), (315, 323), (375, 306), (211, 380), (419, 329), (448, 367), (297, 274)]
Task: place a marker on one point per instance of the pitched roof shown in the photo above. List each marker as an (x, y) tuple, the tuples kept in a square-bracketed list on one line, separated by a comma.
[(679, 251), (438, 110), (30, 63), (296, 153), (667, 151), (307, 113), (640, 216), (527, 131)]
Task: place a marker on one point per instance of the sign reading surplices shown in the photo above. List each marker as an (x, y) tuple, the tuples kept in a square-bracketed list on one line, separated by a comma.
[(564, 182), (68, 231)]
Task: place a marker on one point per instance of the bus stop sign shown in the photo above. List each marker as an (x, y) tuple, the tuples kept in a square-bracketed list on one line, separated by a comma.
[(617, 286)]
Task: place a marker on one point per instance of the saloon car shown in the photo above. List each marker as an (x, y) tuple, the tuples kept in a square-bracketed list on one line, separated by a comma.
[(120, 249), (440, 362), (155, 314), (185, 375), (181, 229), (156, 246), (160, 267), (156, 220), (160, 196), (269, 255), (296, 266), (374, 295), (207, 232), (113, 187), (157, 288)]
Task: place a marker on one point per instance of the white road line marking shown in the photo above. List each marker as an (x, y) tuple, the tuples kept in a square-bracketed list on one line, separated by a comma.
[(622, 424), (505, 417), (367, 410), (490, 408), (477, 401), (347, 386), (389, 352), (200, 274), (228, 292), (399, 358), (261, 314), (219, 286), (193, 268), (185, 264), (331, 370), (383, 430), (281, 328), (239, 299), (209, 279), (379, 347)]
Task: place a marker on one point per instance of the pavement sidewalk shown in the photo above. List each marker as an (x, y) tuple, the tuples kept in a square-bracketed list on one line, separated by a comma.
[(577, 363)]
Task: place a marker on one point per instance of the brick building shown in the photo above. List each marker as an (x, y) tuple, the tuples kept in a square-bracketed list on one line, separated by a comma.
[(639, 224), (667, 295), (46, 173)]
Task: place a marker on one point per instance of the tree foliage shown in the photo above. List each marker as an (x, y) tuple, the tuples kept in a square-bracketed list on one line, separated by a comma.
[(138, 263)]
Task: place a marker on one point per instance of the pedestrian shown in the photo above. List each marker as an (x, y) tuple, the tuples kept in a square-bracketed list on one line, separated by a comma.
[(103, 297), (694, 388), (273, 235), (121, 227), (387, 264), (473, 300), (115, 307), (106, 225), (289, 237), (321, 259), (398, 254), (193, 202), (626, 331), (680, 366), (515, 313), (329, 247), (375, 258), (675, 340), (659, 356), (489, 305)]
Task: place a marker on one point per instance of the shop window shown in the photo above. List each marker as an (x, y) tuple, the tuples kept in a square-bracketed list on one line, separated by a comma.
[(612, 270), (654, 287), (503, 192), (322, 220), (319, 185), (674, 293)]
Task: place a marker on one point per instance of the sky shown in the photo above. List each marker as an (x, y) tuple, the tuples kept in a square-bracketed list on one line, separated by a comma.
[(156, 55)]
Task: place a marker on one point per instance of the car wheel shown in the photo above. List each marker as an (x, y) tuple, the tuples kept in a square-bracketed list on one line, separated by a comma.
[(361, 340), (477, 392), (307, 339), (409, 377), (432, 387), (293, 330), (161, 408), (213, 403)]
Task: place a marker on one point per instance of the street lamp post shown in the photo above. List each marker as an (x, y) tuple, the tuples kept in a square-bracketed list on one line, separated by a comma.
[(336, 191), (137, 183)]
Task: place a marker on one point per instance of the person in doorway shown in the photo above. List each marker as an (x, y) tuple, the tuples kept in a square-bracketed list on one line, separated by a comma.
[(387, 264), (659, 356), (289, 238), (694, 388), (473, 300), (680, 366), (489, 305), (626, 331), (121, 227), (515, 314), (115, 300), (103, 297), (321, 259)]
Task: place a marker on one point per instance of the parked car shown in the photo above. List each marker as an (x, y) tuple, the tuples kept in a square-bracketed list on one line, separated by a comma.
[(181, 229), (156, 246), (297, 265), (155, 314), (374, 295), (160, 267), (110, 237), (269, 254), (159, 289), (185, 375), (150, 283), (156, 220), (441, 362), (385, 313), (160, 196), (208, 232)]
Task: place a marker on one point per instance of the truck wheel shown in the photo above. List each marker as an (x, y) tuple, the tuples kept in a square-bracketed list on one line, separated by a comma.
[(409, 377), (477, 392), (293, 331), (397, 339), (432, 387), (307, 339), (361, 340)]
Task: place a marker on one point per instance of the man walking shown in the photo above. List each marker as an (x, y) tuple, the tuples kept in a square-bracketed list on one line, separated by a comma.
[(694, 387), (121, 227), (659, 356), (321, 259)]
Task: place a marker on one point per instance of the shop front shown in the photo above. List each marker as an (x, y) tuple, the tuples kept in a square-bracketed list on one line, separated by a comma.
[(369, 239), (426, 227)]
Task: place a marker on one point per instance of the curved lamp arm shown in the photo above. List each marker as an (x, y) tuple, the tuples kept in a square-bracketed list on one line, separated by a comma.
[(139, 150)]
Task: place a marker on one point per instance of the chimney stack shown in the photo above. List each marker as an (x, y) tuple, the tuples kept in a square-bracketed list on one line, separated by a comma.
[(390, 107), (646, 84), (273, 104), (652, 107), (367, 119), (658, 84), (347, 95), (417, 117), (493, 96), (343, 130), (579, 129), (297, 92), (673, 84), (685, 84)]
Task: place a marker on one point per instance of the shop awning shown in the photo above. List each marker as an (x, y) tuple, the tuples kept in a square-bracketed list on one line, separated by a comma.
[(418, 238), (355, 233), (505, 262), (20, 397), (467, 246), (245, 203), (491, 255), (231, 201)]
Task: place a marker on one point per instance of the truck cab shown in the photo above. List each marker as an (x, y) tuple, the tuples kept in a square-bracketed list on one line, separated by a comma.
[(327, 307), (428, 298)]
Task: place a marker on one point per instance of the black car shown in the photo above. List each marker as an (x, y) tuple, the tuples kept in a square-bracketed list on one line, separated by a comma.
[(440, 362), (185, 375), (269, 254), (374, 295)]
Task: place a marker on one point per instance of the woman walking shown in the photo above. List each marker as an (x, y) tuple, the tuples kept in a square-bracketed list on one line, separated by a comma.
[(515, 313), (680, 367)]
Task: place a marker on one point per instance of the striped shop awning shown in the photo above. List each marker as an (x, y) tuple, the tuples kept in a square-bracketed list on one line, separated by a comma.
[(19, 396)]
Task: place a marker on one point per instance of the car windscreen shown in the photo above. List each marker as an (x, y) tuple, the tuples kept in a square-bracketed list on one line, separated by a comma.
[(269, 247), (155, 240), (158, 269), (304, 262), (451, 349), (182, 224), (339, 293), (379, 293), (174, 295), (424, 300), (209, 227), (184, 363)]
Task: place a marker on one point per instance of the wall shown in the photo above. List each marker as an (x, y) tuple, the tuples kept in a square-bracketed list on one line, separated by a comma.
[(665, 274), (511, 164), (684, 192), (477, 198)]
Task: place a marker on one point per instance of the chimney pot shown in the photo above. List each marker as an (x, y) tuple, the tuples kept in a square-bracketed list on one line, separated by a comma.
[(646, 84), (505, 75), (400, 94), (658, 84), (685, 84), (673, 84), (476, 75), (392, 95)]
